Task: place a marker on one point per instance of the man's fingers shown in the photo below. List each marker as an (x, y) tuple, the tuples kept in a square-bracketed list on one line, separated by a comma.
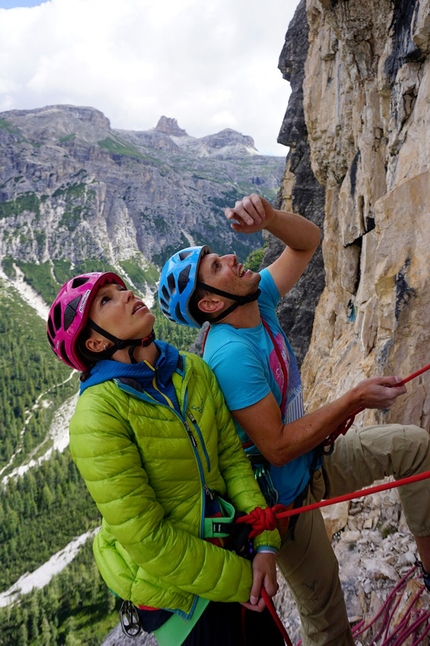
[(249, 211)]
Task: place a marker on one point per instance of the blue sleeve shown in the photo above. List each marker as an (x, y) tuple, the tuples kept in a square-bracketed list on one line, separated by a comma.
[(270, 297), (240, 375)]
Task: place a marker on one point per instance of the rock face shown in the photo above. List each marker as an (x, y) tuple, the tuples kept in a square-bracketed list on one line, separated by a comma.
[(300, 190), (366, 88), (170, 127), (358, 127), (71, 187)]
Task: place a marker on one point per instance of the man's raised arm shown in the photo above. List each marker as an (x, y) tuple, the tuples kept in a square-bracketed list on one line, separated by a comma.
[(301, 237)]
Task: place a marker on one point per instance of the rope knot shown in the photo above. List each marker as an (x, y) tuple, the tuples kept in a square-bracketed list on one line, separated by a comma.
[(260, 519)]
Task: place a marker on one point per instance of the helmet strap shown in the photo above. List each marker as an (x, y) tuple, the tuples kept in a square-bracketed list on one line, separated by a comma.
[(143, 343), (239, 300), (120, 344)]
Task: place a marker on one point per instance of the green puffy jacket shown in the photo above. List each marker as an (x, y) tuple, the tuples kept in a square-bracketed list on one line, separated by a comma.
[(147, 468)]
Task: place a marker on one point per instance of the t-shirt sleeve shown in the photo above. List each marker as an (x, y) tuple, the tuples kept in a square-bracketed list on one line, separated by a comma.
[(240, 375), (270, 296)]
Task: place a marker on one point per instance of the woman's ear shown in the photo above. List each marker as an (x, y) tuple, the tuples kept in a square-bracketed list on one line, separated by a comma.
[(95, 344), (210, 304)]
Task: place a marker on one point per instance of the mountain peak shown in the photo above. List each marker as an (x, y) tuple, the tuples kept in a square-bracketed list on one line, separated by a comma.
[(170, 127)]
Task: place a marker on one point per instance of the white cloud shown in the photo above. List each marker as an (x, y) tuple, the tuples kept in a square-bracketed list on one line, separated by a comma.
[(210, 64)]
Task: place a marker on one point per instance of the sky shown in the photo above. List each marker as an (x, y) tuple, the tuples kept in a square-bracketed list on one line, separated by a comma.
[(210, 64)]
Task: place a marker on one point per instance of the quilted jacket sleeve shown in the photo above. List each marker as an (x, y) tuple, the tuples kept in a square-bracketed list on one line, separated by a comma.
[(109, 461)]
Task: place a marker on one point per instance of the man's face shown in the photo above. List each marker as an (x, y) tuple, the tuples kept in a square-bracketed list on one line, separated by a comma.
[(225, 273)]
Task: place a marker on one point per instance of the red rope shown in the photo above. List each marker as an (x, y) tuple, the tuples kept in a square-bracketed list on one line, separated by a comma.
[(261, 519), (258, 517), (276, 619), (279, 511), (415, 374)]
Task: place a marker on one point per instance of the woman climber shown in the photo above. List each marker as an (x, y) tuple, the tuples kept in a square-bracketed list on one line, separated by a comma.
[(160, 456)]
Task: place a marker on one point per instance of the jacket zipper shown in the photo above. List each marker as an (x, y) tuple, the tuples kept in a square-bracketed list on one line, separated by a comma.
[(205, 488)]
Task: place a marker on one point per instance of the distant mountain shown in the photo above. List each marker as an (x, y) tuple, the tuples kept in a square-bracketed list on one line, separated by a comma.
[(227, 143), (73, 190)]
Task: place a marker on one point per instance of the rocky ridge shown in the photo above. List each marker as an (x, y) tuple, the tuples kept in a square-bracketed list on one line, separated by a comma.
[(71, 187)]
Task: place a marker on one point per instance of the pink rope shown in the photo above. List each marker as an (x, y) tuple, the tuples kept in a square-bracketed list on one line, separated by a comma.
[(404, 629), (385, 608)]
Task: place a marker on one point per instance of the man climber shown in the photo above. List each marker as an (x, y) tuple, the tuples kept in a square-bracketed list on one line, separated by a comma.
[(258, 374)]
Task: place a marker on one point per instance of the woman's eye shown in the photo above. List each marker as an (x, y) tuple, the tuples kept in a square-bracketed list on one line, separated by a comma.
[(104, 300)]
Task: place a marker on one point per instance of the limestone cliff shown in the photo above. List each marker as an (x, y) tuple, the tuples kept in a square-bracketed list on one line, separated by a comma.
[(365, 100), (300, 191)]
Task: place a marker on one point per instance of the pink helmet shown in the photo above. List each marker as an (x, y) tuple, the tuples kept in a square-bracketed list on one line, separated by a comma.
[(69, 312)]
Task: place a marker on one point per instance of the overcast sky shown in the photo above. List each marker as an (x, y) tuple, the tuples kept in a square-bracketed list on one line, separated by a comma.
[(211, 64)]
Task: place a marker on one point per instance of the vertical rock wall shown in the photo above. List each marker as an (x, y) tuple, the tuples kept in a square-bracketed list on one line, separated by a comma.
[(300, 190), (366, 93)]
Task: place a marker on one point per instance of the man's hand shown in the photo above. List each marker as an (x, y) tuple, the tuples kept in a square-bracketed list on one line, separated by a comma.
[(263, 576), (379, 392), (301, 236), (251, 214)]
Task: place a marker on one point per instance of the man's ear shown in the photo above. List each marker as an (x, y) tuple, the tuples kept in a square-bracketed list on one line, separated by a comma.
[(210, 305), (95, 344)]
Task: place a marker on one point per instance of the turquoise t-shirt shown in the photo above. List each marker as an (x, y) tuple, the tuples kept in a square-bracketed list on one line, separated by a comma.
[(248, 368)]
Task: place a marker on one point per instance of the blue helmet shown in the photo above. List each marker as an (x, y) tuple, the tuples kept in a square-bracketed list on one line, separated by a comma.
[(178, 282)]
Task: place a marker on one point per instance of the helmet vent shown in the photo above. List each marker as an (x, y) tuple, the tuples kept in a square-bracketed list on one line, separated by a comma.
[(51, 330), (79, 280), (183, 278), (178, 314), (171, 283), (70, 311), (63, 353), (57, 318), (183, 255), (166, 296)]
